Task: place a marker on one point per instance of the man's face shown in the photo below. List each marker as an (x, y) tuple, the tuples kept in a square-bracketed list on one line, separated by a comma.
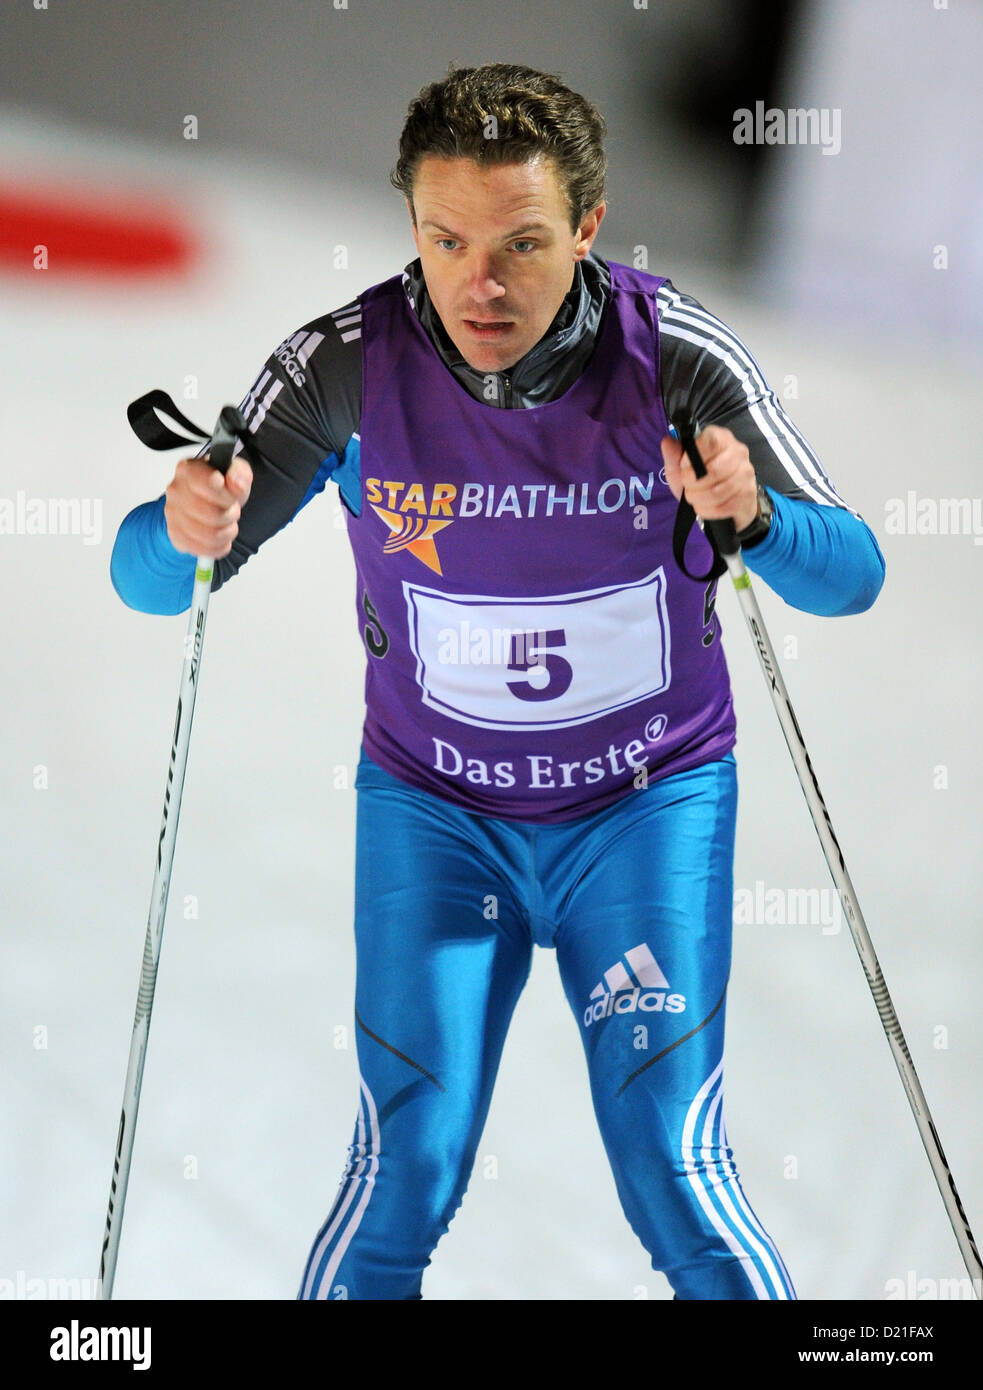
[(496, 246)]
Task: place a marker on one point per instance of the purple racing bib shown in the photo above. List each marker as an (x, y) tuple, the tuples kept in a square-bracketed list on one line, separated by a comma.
[(533, 650)]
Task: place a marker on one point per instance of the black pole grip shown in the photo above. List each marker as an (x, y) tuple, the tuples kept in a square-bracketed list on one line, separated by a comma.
[(724, 533), (223, 442)]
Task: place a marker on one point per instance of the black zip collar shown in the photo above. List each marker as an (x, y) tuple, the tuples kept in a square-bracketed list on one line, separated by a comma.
[(550, 366)]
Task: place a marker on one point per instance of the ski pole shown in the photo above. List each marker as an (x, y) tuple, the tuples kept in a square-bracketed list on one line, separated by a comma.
[(724, 536), (230, 424)]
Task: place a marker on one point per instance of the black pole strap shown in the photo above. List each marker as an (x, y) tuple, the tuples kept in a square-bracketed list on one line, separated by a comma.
[(685, 427), (685, 520), (230, 431)]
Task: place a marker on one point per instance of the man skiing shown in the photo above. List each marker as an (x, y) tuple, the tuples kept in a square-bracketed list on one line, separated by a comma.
[(547, 750)]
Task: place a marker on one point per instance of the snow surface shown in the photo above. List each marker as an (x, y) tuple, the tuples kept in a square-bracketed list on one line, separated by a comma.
[(248, 1100)]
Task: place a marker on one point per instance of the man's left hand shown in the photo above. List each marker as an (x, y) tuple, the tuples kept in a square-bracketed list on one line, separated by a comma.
[(730, 487)]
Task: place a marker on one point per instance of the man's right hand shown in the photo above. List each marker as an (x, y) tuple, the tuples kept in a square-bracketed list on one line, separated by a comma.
[(202, 507)]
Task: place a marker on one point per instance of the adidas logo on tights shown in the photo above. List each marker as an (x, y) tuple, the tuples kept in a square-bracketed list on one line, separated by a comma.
[(643, 988)]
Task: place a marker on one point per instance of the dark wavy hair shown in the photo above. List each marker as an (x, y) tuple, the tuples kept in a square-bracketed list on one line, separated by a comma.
[(502, 113)]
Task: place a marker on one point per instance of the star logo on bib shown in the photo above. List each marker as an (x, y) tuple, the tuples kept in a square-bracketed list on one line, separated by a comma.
[(412, 533)]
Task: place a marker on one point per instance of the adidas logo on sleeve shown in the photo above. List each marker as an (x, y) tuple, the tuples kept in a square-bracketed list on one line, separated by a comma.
[(625, 992)]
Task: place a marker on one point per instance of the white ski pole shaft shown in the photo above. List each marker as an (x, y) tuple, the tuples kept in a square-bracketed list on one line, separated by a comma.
[(725, 537), (220, 454)]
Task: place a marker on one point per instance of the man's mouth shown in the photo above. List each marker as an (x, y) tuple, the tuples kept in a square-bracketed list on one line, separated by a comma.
[(488, 328)]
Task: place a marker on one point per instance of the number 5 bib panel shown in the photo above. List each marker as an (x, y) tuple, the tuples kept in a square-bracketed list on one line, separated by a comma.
[(530, 641)]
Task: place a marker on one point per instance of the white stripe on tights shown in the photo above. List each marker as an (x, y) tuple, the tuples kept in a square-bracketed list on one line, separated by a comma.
[(697, 1181), (727, 1183), (365, 1172)]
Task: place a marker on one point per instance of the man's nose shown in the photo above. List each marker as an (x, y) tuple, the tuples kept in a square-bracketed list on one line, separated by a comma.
[(485, 279)]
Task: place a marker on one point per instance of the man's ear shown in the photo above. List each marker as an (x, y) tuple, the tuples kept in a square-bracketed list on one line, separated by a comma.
[(588, 230)]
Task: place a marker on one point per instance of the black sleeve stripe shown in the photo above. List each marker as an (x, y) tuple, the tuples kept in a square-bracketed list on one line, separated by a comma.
[(790, 449)]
